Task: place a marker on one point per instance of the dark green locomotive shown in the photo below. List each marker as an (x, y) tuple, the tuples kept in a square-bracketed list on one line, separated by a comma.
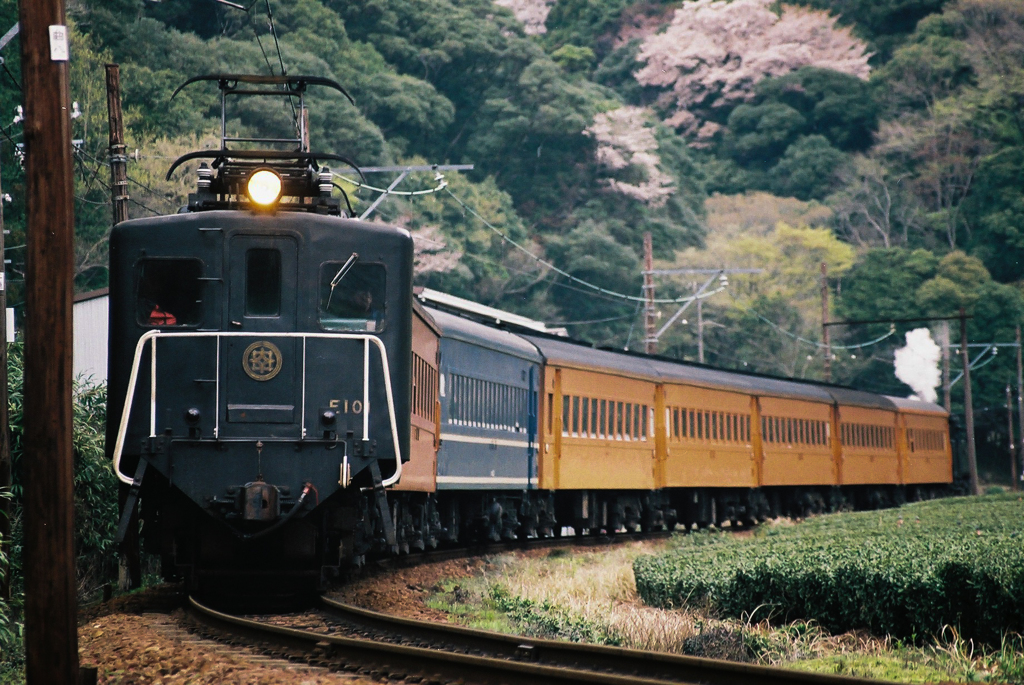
[(259, 371)]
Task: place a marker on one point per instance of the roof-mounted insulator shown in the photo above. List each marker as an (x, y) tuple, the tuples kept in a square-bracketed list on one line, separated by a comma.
[(205, 178), (326, 182)]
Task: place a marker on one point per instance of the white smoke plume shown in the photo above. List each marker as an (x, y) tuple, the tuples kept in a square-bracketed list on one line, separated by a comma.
[(917, 364)]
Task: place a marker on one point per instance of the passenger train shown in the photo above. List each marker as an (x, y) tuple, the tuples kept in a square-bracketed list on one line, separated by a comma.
[(284, 407)]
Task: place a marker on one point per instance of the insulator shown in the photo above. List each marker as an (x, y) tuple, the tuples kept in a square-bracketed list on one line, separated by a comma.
[(326, 185), (205, 175)]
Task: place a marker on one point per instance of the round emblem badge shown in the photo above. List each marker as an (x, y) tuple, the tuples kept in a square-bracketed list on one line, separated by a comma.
[(261, 360)]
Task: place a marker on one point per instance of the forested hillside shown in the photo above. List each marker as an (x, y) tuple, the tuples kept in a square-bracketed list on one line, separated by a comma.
[(884, 138)]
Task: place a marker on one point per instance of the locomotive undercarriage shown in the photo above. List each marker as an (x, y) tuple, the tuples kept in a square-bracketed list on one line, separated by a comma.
[(216, 560)]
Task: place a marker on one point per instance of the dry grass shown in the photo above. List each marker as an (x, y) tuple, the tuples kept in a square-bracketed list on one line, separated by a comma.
[(599, 587)]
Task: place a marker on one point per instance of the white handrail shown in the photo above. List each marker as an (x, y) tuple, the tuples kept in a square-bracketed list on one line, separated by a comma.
[(152, 335)]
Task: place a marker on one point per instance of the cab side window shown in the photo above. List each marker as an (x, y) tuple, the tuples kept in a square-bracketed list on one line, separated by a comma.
[(353, 299), (168, 292)]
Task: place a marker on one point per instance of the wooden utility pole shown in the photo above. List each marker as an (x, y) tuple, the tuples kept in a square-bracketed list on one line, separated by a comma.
[(824, 323), (118, 159), (5, 433), (1020, 402), (947, 401), (972, 457), (650, 342), (130, 562), (51, 633), (1012, 445)]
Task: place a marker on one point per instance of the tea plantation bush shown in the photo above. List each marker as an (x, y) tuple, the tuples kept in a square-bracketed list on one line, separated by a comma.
[(905, 572)]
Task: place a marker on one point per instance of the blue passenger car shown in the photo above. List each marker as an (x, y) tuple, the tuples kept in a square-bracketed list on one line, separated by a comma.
[(488, 395)]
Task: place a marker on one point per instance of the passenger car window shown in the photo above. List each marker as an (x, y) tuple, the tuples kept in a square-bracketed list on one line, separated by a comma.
[(169, 292), (355, 302)]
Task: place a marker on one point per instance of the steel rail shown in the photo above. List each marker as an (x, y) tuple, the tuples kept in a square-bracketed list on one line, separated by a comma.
[(397, 661), (632, 663)]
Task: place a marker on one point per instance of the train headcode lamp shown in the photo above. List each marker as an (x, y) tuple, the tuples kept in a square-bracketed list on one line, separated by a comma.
[(264, 187)]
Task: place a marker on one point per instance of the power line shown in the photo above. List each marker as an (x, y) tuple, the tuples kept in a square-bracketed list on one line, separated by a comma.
[(258, 41), (553, 282), (815, 343), (583, 323), (132, 200), (610, 293), (277, 44)]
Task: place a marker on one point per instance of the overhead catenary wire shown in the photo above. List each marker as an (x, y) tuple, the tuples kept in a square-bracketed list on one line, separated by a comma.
[(815, 343), (590, 321), (596, 288), (547, 281), (259, 42)]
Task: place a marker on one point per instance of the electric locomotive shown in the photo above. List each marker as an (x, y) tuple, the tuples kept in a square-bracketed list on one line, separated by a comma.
[(260, 345)]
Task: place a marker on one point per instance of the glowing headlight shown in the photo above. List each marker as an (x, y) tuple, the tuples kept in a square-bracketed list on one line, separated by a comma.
[(264, 187)]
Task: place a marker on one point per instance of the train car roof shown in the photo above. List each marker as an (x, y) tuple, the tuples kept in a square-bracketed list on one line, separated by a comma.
[(425, 316), (583, 356), (580, 355), (656, 369), (917, 406), (468, 331), (860, 398), (736, 380)]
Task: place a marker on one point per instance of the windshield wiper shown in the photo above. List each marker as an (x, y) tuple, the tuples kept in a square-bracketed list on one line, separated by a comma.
[(342, 272)]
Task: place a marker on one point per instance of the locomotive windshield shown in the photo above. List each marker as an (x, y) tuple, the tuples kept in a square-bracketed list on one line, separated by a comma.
[(169, 292), (356, 301)]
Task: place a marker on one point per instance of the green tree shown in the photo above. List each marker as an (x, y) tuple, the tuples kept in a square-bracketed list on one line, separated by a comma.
[(900, 283), (835, 105), (758, 135), (810, 169)]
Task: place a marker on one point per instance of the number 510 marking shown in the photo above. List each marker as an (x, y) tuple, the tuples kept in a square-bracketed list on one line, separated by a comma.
[(353, 407)]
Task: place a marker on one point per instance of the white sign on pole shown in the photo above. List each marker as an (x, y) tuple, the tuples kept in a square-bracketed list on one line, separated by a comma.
[(59, 43)]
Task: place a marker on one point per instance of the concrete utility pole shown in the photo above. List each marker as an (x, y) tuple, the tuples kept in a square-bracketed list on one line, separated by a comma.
[(51, 630), (650, 341), (1012, 445), (972, 457), (824, 322), (947, 401)]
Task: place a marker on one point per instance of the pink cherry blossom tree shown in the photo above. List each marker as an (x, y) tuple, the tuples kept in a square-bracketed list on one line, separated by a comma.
[(713, 53)]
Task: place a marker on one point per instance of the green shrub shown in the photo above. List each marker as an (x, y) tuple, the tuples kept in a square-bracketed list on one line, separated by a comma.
[(904, 572), (96, 505), (545, 619)]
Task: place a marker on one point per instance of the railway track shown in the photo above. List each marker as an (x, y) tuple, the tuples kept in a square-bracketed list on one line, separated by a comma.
[(341, 637)]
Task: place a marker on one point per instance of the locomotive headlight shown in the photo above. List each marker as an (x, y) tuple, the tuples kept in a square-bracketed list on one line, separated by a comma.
[(264, 187)]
